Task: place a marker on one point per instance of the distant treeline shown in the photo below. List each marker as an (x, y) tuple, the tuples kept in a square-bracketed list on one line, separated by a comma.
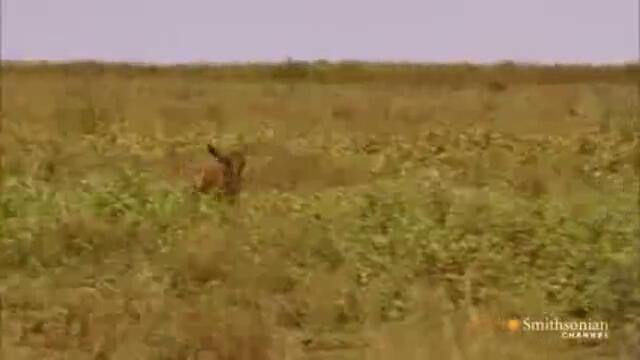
[(349, 72)]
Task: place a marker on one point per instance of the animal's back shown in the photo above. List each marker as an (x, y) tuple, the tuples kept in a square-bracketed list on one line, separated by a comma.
[(211, 177)]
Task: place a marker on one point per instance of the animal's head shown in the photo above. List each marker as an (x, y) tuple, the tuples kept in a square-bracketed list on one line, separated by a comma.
[(233, 165)]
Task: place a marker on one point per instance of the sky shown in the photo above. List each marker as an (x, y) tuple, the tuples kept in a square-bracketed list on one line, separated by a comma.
[(183, 31)]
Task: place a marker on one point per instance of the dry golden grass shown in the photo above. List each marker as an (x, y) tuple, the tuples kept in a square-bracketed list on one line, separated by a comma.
[(389, 212)]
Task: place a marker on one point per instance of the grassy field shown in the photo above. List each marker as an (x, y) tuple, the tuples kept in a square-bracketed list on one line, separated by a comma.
[(389, 212)]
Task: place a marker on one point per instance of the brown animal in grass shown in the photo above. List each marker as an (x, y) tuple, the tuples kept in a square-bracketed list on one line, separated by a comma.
[(223, 174)]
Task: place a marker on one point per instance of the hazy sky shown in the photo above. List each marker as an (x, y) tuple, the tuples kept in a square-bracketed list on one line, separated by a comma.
[(257, 30)]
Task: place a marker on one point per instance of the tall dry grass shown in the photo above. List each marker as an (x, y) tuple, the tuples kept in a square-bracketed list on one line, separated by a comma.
[(389, 211)]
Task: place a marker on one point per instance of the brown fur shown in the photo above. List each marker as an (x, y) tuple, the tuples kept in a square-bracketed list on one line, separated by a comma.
[(223, 174)]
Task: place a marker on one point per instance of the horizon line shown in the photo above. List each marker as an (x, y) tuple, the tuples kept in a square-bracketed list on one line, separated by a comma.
[(503, 62)]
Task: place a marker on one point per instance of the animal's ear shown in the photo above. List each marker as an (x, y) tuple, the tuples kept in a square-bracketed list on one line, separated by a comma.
[(241, 166), (215, 153)]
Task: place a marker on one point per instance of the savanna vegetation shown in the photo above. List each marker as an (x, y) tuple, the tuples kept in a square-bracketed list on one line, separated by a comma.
[(388, 211)]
